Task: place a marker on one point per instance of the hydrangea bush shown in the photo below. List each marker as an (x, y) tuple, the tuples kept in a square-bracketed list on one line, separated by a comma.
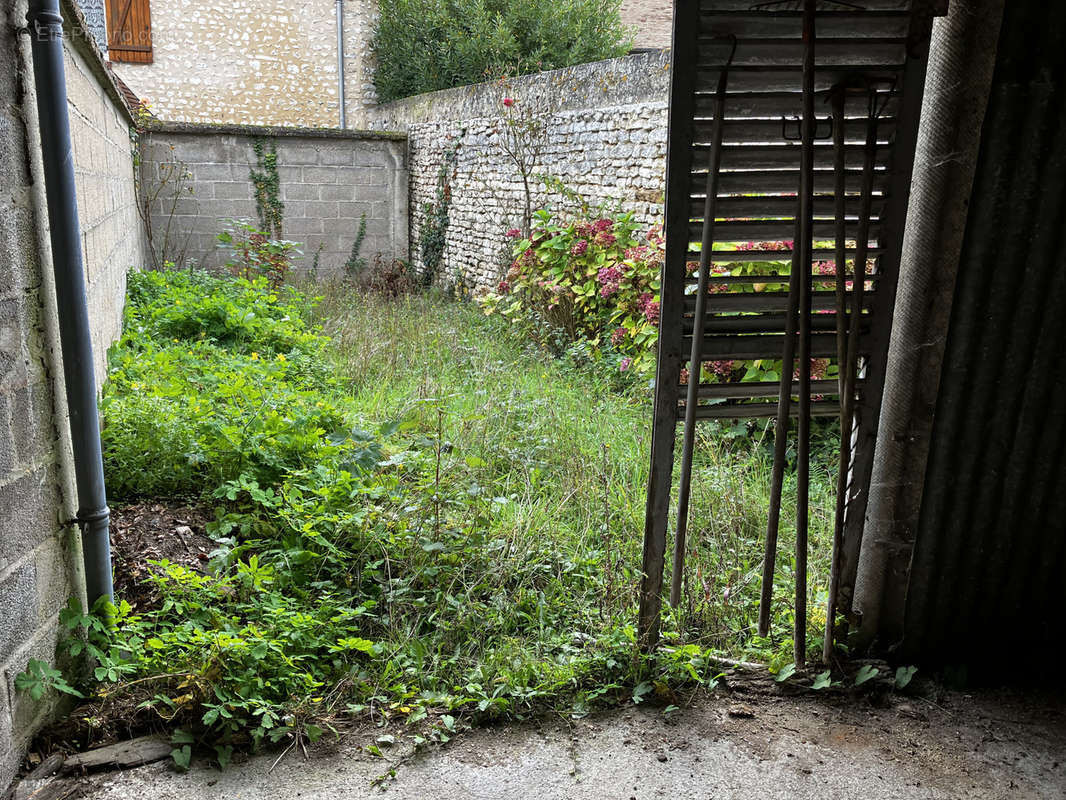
[(594, 280), (591, 279)]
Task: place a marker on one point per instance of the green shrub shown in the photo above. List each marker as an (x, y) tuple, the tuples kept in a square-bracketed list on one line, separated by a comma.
[(214, 378), (589, 281), (426, 45)]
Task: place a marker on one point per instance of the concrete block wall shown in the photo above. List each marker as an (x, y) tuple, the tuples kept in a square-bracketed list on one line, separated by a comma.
[(328, 180), (605, 137), (40, 558)]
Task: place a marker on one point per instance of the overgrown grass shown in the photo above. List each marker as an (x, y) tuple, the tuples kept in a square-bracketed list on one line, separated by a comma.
[(573, 450), (418, 515)]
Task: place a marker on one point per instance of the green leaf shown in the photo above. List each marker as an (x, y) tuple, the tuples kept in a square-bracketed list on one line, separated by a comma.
[(822, 680), (181, 737), (786, 672), (640, 691), (865, 673), (904, 675), (182, 757), (223, 754)]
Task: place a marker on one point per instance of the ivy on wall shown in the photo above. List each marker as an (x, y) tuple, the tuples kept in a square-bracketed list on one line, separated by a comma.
[(435, 218), (267, 183)]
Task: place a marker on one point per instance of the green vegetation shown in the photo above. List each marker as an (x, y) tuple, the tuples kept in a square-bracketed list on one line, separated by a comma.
[(426, 45), (420, 517)]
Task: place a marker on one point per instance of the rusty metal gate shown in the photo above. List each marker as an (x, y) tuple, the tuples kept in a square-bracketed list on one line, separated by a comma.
[(792, 129)]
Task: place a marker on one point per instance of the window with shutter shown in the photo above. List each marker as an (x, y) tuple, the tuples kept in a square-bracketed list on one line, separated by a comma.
[(129, 31)]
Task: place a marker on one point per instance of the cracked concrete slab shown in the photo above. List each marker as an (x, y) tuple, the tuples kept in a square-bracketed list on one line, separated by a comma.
[(764, 747)]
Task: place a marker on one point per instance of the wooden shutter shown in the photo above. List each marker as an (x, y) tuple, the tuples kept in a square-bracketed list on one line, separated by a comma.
[(129, 31)]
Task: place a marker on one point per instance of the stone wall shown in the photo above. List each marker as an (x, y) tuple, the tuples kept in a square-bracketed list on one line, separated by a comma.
[(328, 180), (652, 21), (605, 138), (257, 62), (40, 558)]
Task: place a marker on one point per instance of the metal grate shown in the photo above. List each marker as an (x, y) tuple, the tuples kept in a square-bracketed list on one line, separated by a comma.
[(782, 158)]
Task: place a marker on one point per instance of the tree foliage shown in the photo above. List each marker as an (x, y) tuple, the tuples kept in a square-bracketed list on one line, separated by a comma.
[(426, 45)]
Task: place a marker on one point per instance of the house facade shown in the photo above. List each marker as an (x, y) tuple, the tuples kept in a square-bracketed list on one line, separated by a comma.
[(258, 62), (269, 62)]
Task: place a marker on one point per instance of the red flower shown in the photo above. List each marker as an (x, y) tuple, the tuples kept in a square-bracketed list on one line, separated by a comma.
[(579, 247), (618, 336), (507, 101), (514, 233)]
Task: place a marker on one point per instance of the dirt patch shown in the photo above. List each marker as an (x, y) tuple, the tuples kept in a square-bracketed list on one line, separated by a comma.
[(154, 531)]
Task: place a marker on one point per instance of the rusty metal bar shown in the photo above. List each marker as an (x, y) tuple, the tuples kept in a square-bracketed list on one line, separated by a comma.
[(843, 367), (803, 426), (848, 371), (695, 360)]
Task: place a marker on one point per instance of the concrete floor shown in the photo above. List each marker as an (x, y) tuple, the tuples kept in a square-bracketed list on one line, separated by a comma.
[(741, 746)]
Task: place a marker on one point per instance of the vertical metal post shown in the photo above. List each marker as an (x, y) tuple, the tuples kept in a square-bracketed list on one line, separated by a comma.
[(803, 464), (843, 365), (340, 63), (695, 362)]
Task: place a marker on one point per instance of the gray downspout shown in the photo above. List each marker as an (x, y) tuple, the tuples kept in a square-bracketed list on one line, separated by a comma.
[(962, 56), (46, 37), (340, 59)]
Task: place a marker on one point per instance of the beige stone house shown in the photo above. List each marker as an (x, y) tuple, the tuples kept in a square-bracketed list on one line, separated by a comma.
[(269, 62)]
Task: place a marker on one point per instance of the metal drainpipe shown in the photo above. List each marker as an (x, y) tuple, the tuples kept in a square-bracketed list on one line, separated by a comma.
[(46, 37), (340, 59)]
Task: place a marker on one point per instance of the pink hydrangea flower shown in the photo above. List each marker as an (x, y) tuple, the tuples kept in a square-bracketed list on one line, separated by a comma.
[(514, 233), (624, 364), (503, 287), (609, 278), (604, 224), (651, 312), (618, 336), (579, 248), (604, 239)]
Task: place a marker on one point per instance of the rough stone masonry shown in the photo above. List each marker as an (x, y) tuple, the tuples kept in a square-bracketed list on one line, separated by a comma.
[(605, 138)]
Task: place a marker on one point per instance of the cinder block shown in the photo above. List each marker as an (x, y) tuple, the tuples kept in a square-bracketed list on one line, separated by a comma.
[(321, 174), (300, 191), (286, 174), (320, 209), (8, 459), (27, 715), (355, 210), (342, 191), (301, 227), (8, 759), (52, 563), (235, 190), (18, 607), (31, 421), (297, 153), (12, 343), (213, 172), (338, 154)]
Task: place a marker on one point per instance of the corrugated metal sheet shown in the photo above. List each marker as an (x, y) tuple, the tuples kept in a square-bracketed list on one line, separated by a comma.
[(989, 567)]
